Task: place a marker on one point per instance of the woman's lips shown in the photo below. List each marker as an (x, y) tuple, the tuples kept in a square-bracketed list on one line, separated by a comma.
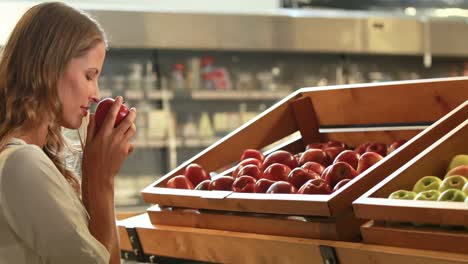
[(84, 111)]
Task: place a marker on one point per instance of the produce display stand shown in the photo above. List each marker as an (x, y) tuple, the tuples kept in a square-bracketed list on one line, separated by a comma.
[(172, 244), (353, 114), (385, 212)]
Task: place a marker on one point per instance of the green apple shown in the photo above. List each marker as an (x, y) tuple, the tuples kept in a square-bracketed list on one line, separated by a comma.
[(452, 195), (458, 160), (427, 183), (453, 182), (431, 195), (465, 188), (402, 195)]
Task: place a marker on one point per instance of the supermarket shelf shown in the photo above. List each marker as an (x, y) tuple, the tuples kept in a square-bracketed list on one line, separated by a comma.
[(239, 95), (224, 247)]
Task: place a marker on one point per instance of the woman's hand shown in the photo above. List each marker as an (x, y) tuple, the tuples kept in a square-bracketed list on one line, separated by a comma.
[(106, 150)]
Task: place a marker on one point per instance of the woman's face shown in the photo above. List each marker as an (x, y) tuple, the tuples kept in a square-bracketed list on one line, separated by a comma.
[(78, 86)]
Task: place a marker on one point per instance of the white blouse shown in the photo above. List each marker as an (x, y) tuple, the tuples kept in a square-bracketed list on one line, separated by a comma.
[(42, 219)]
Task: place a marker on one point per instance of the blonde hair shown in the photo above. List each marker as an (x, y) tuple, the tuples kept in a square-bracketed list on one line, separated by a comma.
[(35, 56)]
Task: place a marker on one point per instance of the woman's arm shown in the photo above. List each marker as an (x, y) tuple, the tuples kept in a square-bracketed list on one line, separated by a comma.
[(104, 154)]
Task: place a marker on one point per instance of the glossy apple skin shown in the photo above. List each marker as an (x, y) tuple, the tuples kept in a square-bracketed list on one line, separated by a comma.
[(396, 144), (179, 182), (337, 172), (103, 108), (402, 195), (341, 184), (299, 176), (203, 186), (281, 187), (262, 185), (317, 145), (315, 155), (196, 174), (335, 143), (453, 182), (280, 156), (251, 170), (380, 148), (361, 149), (316, 186), (223, 183), (252, 153), (244, 163), (277, 172), (349, 156), (452, 195), (427, 183), (333, 152), (367, 160), (461, 170), (245, 184), (311, 166)]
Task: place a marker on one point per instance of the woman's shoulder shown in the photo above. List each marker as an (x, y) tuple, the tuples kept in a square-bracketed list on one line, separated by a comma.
[(22, 161)]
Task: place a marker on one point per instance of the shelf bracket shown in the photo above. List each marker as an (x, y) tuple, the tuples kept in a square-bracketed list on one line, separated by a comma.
[(328, 255)]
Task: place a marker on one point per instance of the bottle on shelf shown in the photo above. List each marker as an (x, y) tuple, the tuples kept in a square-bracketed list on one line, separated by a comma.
[(150, 80), (207, 70), (178, 77), (193, 73), (135, 77), (205, 128)]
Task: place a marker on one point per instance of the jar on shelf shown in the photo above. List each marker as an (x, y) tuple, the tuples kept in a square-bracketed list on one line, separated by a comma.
[(178, 77)]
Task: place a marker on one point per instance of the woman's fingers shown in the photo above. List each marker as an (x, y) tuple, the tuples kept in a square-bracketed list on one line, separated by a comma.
[(90, 129), (127, 123), (111, 116)]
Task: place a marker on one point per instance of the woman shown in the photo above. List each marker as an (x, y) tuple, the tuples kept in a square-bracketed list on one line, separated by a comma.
[(49, 71)]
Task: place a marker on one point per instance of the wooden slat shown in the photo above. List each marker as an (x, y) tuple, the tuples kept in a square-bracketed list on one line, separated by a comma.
[(416, 237), (236, 247), (345, 228), (396, 102), (433, 160), (306, 120), (241, 202)]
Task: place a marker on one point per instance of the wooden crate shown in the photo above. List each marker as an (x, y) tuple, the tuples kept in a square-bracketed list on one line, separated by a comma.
[(352, 114), (238, 247), (432, 161)]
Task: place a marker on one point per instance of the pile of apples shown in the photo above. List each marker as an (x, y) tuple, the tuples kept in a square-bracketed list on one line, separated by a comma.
[(452, 188), (321, 169)]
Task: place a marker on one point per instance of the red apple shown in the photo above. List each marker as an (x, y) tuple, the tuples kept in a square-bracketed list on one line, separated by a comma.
[(332, 152), (341, 184), (252, 153), (280, 156), (380, 148), (311, 166), (203, 185), (179, 182), (367, 160), (334, 143), (349, 156), (222, 183), (244, 184), (362, 148), (277, 172), (103, 107), (244, 163), (337, 172), (317, 145), (250, 170), (395, 145), (299, 176), (196, 174), (316, 186), (315, 155), (281, 187), (262, 185)]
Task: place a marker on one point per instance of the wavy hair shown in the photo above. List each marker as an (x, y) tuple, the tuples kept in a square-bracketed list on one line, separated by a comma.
[(41, 45)]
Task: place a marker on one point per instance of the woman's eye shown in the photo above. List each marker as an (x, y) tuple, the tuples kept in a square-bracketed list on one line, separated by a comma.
[(89, 78)]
